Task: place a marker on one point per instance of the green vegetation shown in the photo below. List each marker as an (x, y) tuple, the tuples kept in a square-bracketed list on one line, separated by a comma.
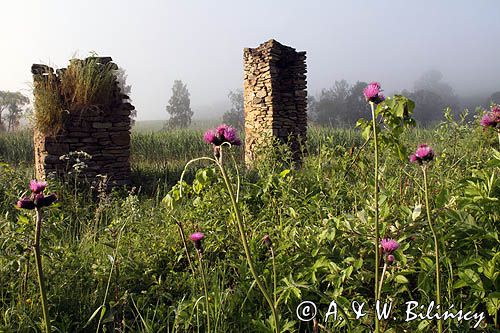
[(118, 259), (82, 84)]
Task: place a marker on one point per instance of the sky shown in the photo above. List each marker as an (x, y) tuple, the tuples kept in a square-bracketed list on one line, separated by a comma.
[(201, 43)]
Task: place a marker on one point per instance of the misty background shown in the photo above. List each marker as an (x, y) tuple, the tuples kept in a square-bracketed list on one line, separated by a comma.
[(397, 43)]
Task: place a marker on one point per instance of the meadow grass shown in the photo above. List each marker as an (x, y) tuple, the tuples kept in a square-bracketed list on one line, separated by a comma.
[(123, 250)]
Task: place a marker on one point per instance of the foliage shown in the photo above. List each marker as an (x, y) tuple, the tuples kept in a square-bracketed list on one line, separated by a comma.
[(319, 219), (179, 107), (48, 114), (88, 82), (82, 84), (12, 102), (340, 105), (235, 116)]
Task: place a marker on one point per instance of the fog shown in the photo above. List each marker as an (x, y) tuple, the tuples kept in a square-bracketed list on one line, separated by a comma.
[(201, 43)]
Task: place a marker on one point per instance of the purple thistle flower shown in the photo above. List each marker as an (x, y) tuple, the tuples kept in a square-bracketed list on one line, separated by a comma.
[(372, 93), (223, 133), (25, 203), (209, 136), (389, 245), (37, 198), (491, 118), (424, 153), (37, 186), (197, 237), (45, 201), (390, 258), (487, 121), (267, 241)]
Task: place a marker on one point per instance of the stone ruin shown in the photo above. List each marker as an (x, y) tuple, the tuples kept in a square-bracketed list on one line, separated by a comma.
[(102, 131), (275, 97)]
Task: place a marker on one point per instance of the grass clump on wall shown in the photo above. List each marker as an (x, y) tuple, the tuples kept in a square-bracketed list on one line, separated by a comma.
[(48, 105), (88, 82), (82, 84)]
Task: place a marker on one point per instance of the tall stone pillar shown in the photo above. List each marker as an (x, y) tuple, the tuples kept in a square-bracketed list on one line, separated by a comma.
[(275, 97)]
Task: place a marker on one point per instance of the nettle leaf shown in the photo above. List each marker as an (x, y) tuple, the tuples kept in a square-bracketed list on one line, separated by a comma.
[(417, 211), (401, 279), (471, 279)]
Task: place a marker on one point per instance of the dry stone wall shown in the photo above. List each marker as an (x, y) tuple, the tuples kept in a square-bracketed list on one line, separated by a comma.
[(275, 97), (102, 131)]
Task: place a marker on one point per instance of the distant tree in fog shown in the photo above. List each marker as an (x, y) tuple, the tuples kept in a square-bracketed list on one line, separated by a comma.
[(179, 107), (12, 103), (432, 81), (495, 98), (236, 115), (126, 89), (342, 104), (429, 106)]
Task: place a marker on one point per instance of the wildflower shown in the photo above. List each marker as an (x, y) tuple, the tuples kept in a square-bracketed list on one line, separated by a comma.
[(389, 245), (37, 198), (373, 94), (267, 241), (209, 137), (197, 237), (25, 203), (424, 153), (37, 186), (223, 133), (491, 118), (390, 258)]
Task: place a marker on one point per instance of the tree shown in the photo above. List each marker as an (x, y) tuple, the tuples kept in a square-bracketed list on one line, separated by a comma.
[(494, 98), (236, 115), (121, 78), (13, 103), (429, 105), (179, 106), (431, 81), (341, 104)]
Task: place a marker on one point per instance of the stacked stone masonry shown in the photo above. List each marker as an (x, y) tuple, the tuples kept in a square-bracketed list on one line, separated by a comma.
[(102, 131), (275, 97)]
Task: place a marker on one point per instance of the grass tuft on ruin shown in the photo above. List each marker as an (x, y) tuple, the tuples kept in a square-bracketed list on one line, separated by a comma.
[(84, 83)]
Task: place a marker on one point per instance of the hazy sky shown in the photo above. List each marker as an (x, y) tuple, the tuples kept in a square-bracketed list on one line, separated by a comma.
[(201, 42)]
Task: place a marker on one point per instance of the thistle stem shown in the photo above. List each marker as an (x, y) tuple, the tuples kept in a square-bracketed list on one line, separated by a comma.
[(248, 254), (377, 231), (38, 261), (202, 271), (436, 248), (382, 279), (274, 275), (183, 237)]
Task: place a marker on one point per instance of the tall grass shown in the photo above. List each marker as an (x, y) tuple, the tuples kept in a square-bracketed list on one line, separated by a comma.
[(88, 82), (48, 113), (82, 84)]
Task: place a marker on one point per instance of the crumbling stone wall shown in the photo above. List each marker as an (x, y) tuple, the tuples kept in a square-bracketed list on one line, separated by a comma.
[(102, 131), (275, 97)]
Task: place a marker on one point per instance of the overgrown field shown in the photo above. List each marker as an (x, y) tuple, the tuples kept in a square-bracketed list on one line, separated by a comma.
[(117, 259)]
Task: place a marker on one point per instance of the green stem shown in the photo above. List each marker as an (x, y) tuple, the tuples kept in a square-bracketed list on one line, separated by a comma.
[(38, 260), (202, 271), (183, 237), (248, 255), (436, 248), (382, 279), (377, 231), (274, 275)]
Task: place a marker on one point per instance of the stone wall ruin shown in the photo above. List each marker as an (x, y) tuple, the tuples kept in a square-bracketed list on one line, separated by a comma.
[(102, 131), (275, 97)]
